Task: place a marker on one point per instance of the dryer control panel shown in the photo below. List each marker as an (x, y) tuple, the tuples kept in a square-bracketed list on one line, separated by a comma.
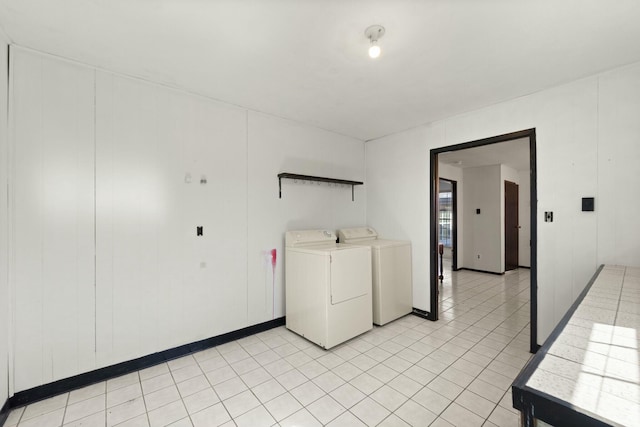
[(356, 234), (309, 237)]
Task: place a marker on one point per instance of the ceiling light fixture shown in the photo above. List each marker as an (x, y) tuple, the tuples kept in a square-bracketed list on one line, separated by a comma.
[(374, 33)]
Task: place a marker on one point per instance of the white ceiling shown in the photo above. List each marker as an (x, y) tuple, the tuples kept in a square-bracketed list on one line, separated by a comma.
[(307, 59), (514, 154)]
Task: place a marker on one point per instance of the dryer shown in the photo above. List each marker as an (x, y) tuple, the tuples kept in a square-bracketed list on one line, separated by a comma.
[(391, 279), (327, 287)]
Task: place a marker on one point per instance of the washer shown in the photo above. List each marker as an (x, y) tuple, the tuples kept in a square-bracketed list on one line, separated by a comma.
[(391, 263), (327, 287)]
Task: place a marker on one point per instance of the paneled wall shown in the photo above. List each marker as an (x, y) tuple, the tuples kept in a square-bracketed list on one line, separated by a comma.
[(112, 175), (52, 195), (155, 148), (588, 144)]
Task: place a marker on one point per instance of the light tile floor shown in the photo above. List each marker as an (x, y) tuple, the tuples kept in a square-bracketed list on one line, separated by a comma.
[(411, 372)]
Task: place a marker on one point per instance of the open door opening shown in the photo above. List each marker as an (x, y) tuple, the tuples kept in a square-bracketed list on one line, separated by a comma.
[(480, 203), (511, 226), (447, 220)]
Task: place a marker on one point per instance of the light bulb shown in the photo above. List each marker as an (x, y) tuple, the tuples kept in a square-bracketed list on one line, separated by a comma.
[(374, 51)]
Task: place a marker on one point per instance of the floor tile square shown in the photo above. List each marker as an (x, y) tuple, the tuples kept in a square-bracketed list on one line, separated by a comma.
[(347, 419), (347, 371), (370, 411), (48, 419), (347, 395), (268, 390), (325, 409), (98, 420), (415, 415), (241, 403), (366, 383), (307, 393), (255, 377), (388, 397), (383, 373), (302, 418), (215, 415), (283, 406), (328, 381), (459, 416), (198, 401), (432, 400), (405, 385), (167, 414), (84, 408), (193, 385), (257, 417), (475, 403), (229, 388)]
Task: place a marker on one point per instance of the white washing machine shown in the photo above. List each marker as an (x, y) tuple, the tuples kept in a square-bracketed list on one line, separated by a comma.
[(392, 280), (327, 287)]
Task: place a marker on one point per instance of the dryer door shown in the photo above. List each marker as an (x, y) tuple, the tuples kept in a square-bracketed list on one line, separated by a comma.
[(350, 274)]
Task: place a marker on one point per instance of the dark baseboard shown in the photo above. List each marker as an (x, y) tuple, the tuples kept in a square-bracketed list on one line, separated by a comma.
[(82, 380), (4, 412), (481, 271), (420, 313), (522, 266), (423, 314)]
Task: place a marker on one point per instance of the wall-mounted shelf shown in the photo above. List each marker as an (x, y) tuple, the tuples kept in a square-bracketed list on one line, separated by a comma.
[(315, 178)]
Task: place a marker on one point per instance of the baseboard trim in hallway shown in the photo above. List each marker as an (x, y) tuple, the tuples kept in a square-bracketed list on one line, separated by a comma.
[(67, 384), (480, 271)]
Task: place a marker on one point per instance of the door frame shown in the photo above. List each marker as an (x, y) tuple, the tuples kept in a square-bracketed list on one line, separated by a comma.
[(433, 226)]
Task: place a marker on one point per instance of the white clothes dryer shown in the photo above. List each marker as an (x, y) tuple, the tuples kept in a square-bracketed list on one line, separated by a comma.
[(391, 278), (327, 287)]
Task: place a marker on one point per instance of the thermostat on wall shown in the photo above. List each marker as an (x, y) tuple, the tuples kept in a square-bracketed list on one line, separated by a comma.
[(588, 204)]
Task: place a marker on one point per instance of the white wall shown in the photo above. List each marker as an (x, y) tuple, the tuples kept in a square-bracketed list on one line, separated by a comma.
[(4, 231), (152, 268), (398, 197), (277, 145), (482, 232), (524, 218), (587, 145), (111, 182), (453, 173)]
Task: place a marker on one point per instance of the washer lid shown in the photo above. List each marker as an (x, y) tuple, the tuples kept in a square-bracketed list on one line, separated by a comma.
[(303, 238), (357, 234)]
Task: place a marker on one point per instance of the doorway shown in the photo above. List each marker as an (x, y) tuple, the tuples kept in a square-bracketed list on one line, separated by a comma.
[(530, 136), (448, 219), (511, 227)]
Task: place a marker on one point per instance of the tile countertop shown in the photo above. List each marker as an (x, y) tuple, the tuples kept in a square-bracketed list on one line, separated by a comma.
[(588, 371)]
